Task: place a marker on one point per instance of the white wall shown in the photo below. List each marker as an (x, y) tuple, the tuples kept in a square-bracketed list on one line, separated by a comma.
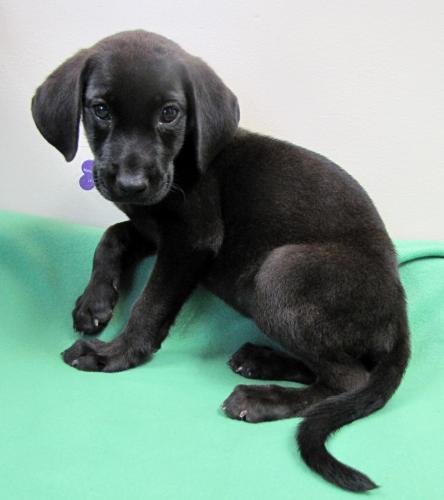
[(361, 82)]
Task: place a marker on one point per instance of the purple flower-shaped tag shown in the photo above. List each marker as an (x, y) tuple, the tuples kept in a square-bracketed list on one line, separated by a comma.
[(87, 181)]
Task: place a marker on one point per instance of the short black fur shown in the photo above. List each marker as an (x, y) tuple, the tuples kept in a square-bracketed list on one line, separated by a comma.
[(280, 233)]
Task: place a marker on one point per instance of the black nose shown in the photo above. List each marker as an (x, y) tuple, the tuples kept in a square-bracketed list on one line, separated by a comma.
[(131, 185)]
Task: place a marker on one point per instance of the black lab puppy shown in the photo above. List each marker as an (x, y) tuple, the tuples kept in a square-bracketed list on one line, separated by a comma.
[(278, 232)]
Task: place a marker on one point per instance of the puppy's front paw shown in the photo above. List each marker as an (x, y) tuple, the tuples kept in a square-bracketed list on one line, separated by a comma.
[(94, 308), (97, 356)]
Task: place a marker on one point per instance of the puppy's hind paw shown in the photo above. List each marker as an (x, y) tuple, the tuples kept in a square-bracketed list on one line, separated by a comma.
[(250, 361)]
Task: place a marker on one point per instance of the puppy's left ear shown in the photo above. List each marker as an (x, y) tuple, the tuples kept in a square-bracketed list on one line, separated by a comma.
[(56, 105), (213, 113)]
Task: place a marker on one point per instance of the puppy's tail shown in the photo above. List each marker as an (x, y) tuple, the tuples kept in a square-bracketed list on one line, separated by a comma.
[(329, 415)]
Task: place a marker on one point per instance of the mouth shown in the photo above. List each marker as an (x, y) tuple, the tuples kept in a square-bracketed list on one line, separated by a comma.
[(151, 197)]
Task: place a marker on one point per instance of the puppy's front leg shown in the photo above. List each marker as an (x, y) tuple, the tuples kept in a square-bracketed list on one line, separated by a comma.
[(175, 274), (93, 309)]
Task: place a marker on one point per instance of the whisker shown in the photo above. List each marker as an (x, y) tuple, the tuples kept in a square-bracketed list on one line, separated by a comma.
[(175, 187)]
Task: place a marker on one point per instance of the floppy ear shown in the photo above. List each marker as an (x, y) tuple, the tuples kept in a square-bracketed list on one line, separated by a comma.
[(213, 112), (57, 103)]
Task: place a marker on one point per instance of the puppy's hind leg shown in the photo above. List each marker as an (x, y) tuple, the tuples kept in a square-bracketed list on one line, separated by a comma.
[(264, 363), (299, 302), (94, 308), (261, 403)]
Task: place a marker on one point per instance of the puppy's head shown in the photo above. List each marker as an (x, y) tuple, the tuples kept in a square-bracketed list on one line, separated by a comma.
[(152, 113)]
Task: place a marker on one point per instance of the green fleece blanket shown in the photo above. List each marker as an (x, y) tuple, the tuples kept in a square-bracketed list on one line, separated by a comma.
[(156, 432)]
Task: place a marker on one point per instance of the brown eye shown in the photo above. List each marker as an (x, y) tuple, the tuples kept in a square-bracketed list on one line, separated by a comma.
[(102, 111), (169, 113)]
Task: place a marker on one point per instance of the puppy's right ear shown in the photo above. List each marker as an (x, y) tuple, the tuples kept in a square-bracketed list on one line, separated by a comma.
[(57, 104)]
